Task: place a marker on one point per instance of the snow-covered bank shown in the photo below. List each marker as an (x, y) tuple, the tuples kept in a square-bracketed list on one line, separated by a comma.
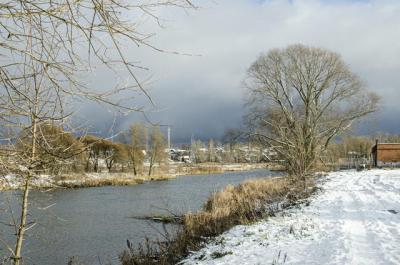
[(354, 220), (12, 182), (169, 171), (75, 180)]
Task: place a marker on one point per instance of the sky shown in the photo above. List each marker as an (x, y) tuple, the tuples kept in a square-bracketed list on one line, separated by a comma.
[(202, 93)]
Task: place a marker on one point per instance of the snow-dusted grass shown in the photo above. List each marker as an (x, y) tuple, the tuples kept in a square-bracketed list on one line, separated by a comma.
[(240, 204), (355, 219), (76, 180), (12, 182)]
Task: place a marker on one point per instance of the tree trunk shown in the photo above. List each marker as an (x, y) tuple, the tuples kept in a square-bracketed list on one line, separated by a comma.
[(22, 227), (96, 165), (87, 165), (25, 198), (133, 159), (109, 165), (150, 167)]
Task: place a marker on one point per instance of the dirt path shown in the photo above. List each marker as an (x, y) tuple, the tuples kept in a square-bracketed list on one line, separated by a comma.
[(354, 220)]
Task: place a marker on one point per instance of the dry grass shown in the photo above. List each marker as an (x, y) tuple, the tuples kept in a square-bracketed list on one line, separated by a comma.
[(324, 167), (100, 182), (232, 206), (122, 179), (236, 205), (200, 170), (276, 167), (161, 177)]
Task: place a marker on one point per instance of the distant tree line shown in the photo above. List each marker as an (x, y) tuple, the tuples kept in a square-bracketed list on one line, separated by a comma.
[(138, 150), (357, 146), (60, 151)]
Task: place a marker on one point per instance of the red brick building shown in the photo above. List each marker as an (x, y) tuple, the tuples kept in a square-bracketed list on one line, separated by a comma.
[(385, 154)]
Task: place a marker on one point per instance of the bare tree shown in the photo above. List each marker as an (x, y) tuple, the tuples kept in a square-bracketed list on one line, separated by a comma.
[(137, 146), (45, 48), (110, 152), (300, 99), (387, 138), (57, 149), (231, 139), (198, 151), (157, 148), (92, 152), (347, 147), (119, 156)]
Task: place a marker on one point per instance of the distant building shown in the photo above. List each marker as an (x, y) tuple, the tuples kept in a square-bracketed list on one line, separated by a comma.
[(179, 155), (386, 154)]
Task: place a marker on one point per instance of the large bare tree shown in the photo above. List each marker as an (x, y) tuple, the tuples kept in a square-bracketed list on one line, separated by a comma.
[(300, 98), (47, 49)]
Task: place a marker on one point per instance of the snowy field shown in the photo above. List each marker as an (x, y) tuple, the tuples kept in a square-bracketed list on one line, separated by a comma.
[(355, 219)]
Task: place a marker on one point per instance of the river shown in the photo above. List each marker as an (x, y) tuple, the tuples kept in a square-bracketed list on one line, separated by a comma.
[(93, 224)]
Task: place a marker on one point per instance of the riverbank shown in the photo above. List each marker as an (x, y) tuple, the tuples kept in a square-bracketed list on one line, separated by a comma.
[(354, 220), (85, 180), (235, 205), (94, 224)]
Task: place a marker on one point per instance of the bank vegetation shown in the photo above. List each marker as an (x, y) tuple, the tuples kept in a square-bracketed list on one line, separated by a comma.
[(242, 204)]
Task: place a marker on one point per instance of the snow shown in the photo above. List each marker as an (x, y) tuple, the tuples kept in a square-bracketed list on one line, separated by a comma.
[(14, 182), (355, 219)]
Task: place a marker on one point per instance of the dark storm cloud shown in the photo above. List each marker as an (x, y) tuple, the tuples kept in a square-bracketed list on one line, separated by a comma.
[(203, 95)]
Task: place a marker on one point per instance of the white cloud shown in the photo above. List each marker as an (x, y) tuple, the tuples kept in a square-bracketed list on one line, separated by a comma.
[(203, 94)]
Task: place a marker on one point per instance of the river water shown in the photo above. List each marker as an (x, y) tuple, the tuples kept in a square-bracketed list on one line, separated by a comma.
[(93, 224)]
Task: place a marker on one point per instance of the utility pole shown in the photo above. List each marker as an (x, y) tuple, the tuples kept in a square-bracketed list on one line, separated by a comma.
[(147, 140), (169, 137), (192, 153)]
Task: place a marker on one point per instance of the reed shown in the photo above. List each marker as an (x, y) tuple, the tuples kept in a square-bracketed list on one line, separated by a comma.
[(243, 204)]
